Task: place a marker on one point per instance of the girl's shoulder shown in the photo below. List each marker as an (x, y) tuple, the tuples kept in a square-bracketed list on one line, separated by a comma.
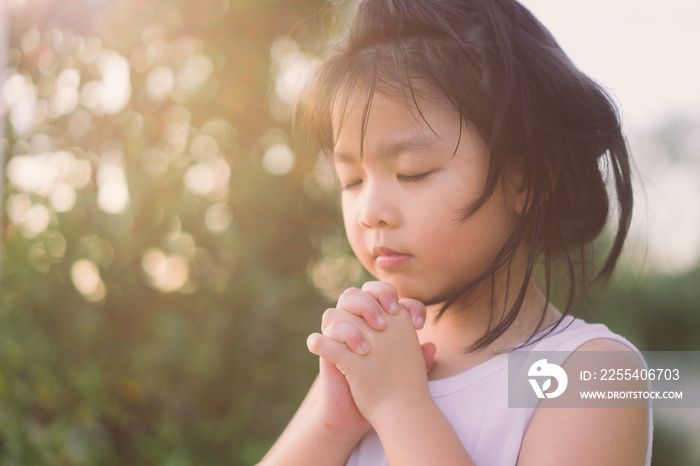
[(578, 348), (573, 334)]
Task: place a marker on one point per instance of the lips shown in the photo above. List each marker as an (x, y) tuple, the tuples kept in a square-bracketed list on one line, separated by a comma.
[(387, 258)]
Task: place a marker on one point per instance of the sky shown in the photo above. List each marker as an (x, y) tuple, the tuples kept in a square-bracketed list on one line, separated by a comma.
[(646, 53)]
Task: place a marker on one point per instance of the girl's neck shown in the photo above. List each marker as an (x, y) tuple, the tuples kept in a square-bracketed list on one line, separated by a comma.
[(467, 321)]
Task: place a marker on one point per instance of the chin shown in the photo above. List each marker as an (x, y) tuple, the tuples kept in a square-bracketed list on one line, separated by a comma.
[(406, 289)]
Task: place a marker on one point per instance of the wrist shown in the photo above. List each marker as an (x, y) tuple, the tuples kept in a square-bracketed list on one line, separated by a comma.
[(344, 437), (419, 434), (401, 406), (314, 437)]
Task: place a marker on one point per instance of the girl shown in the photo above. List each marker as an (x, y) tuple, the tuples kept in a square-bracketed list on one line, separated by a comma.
[(470, 150)]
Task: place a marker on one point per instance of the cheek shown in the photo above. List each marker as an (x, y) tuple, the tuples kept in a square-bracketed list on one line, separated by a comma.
[(485, 232), (352, 228), (349, 218), (481, 234), (440, 210)]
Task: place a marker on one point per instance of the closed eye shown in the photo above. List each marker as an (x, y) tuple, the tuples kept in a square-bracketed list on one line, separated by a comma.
[(413, 178), (354, 184)]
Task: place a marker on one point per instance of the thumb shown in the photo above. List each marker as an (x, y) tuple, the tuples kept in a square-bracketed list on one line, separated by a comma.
[(429, 350), (332, 380)]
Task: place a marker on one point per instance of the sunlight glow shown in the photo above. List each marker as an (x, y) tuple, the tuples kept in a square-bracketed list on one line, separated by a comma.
[(159, 82), (194, 73), (53, 175), (65, 99), (293, 68), (333, 274), (62, 198), (35, 220), (278, 159), (209, 179), (115, 90), (167, 273), (86, 278), (112, 193), (218, 217), (20, 96)]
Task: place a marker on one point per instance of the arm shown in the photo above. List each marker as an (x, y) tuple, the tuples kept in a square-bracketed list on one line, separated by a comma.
[(583, 436), (313, 433)]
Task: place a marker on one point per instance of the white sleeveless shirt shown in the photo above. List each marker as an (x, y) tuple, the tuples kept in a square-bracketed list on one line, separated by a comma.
[(475, 402)]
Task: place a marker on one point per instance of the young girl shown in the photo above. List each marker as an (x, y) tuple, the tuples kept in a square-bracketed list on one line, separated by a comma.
[(470, 151)]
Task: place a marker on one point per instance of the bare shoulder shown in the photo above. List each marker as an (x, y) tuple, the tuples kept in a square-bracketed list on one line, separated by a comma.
[(589, 435), (603, 344)]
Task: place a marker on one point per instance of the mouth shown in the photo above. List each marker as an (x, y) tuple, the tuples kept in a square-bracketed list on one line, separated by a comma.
[(386, 258)]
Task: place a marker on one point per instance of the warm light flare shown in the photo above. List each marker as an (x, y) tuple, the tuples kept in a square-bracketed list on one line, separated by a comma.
[(86, 278)]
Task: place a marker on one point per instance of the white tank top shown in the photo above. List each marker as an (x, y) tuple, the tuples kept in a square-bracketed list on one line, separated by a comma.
[(476, 403)]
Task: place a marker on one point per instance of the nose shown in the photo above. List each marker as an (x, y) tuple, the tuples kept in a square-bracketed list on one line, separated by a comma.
[(378, 208)]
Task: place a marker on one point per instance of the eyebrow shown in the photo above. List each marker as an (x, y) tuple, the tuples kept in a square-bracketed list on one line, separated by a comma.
[(413, 145)]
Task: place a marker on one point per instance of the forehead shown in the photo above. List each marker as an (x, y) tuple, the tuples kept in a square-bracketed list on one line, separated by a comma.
[(410, 122), (411, 96)]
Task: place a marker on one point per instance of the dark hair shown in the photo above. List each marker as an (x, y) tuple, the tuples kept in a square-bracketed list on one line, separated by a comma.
[(505, 74)]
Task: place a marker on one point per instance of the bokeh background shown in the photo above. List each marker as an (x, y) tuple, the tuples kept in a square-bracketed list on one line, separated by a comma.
[(167, 242)]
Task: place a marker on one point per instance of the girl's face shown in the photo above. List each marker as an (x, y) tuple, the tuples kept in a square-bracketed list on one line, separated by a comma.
[(403, 200)]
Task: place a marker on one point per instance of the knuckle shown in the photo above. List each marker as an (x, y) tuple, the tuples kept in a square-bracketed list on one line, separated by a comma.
[(329, 328), (369, 285), (353, 340), (333, 331), (312, 343), (387, 286), (370, 310), (413, 305), (327, 316), (347, 296)]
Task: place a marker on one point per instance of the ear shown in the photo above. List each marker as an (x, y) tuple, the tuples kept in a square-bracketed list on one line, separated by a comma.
[(516, 190)]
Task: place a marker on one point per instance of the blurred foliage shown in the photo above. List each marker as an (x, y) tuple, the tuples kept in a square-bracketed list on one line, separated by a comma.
[(155, 295), (656, 312), (167, 245)]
